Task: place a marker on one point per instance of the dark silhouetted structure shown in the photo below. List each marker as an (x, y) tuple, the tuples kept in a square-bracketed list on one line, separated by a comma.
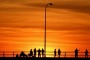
[(76, 53), (23, 54), (39, 53), (43, 52), (35, 52), (55, 53), (86, 53), (31, 53), (65, 54), (59, 52), (16, 55)]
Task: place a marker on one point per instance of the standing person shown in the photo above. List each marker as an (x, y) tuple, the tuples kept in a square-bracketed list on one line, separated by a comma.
[(59, 52), (39, 51), (76, 53), (34, 52), (42, 52), (86, 53), (55, 53)]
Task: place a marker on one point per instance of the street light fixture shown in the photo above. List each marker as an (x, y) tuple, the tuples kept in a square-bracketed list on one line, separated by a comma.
[(45, 27)]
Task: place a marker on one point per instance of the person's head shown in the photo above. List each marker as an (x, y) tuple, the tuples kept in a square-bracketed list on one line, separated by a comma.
[(21, 51)]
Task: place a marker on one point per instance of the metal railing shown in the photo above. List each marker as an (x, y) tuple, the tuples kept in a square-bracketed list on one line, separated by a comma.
[(48, 54)]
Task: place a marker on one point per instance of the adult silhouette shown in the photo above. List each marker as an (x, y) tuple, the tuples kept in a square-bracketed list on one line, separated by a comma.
[(39, 53), (31, 53), (59, 52), (34, 52), (43, 52), (55, 53), (86, 53), (76, 53)]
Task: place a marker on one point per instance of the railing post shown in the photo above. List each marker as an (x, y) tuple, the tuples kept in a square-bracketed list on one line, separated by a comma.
[(3, 54), (13, 54), (65, 54)]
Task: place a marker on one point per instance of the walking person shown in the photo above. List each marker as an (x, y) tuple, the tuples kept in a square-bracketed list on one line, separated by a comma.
[(76, 53), (42, 52), (55, 53), (39, 53), (59, 52), (86, 53), (34, 52)]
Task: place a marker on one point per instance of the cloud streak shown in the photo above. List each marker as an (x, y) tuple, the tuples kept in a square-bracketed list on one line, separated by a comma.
[(68, 21), (82, 6), (73, 5)]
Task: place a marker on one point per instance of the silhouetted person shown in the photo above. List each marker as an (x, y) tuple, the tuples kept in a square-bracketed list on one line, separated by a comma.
[(76, 53), (39, 53), (42, 52), (55, 53), (35, 52), (59, 52), (86, 53), (23, 54), (31, 53)]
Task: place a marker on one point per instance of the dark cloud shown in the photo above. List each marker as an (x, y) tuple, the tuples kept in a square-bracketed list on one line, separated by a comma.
[(73, 5), (78, 6)]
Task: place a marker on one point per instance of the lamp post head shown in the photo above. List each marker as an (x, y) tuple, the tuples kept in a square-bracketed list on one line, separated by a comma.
[(50, 3)]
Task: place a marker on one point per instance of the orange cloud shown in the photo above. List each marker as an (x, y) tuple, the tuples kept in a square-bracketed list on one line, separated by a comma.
[(22, 25)]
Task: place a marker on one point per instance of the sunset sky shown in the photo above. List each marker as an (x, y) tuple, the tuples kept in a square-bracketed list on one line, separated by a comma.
[(22, 25)]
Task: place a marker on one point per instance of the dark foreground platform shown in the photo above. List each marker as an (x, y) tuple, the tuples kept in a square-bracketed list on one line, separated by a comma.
[(48, 58)]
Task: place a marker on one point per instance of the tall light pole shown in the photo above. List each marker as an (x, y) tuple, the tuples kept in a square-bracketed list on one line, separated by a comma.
[(45, 27)]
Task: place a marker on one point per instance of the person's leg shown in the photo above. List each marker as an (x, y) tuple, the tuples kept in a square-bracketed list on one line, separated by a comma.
[(85, 56), (54, 55), (75, 55)]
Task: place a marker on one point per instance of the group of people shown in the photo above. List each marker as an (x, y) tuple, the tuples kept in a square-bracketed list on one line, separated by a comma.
[(59, 52), (76, 53), (32, 53), (41, 53)]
